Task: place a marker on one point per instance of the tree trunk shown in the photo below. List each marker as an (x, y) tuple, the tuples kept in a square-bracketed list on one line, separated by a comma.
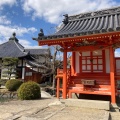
[(54, 58)]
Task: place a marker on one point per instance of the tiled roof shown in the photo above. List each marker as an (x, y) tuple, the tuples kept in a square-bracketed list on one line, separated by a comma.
[(35, 64), (12, 49), (96, 22), (37, 51)]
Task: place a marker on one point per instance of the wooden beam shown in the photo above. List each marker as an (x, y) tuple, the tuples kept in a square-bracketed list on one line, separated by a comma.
[(74, 39), (85, 48)]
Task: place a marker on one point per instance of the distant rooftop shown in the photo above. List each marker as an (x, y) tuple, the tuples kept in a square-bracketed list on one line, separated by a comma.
[(13, 48)]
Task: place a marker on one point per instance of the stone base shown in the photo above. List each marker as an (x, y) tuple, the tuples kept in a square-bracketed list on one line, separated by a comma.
[(95, 104)]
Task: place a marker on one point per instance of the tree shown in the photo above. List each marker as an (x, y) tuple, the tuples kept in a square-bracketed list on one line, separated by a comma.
[(56, 62), (9, 67)]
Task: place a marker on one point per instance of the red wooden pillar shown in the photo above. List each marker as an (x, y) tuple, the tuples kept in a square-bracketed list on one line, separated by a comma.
[(65, 74), (58, 86), (112, 77), (73, 63)]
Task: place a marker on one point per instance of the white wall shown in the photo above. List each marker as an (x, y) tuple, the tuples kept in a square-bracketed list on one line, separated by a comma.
[(23, 73), (2, 74)]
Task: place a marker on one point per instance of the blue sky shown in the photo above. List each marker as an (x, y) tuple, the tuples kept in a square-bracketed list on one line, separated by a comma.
[(26, 17)]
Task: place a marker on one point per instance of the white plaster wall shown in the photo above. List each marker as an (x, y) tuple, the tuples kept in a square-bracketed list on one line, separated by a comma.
[(77, 62), (23, 73), (117, 64), (86, 53), (107, 61), (2, 73)]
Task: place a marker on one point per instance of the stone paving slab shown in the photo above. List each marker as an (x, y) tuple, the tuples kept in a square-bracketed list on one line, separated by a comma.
[(95, 104), (18, 107), (66, 113), (47, 109)]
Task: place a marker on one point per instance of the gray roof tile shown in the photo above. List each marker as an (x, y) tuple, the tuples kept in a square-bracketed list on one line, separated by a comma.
[(12, 49), (37, 51), (102, 21), (35, 64)]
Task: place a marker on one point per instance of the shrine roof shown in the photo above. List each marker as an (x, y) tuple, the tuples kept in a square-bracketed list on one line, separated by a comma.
[(96, 22)]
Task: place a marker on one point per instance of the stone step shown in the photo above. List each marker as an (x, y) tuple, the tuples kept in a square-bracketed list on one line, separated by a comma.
[(95, 104), (115, 115)]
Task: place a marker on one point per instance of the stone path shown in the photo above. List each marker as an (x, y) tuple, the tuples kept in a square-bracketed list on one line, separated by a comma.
[(65, 113), (46, 109), (49, 108)]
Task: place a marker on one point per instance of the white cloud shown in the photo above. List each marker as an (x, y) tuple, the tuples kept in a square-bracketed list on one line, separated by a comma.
[(52, 10), (7, 2), (6, 33), (117, 52), (24, 42), (4, 20), (28, 44), (8, 30)]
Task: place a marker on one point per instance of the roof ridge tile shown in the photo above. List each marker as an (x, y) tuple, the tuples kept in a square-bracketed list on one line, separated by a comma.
[(97, 13)]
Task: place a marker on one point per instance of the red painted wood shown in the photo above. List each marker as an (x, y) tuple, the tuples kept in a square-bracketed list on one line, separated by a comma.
[(74, 39), (65, 74), (112, 77), (58, 86), (73, 63)]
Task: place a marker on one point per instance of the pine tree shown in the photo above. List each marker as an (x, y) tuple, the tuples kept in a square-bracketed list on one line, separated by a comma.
[(9, 67)]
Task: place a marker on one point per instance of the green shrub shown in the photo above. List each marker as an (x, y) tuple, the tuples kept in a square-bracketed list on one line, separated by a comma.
[(29, 91), (13, 85)]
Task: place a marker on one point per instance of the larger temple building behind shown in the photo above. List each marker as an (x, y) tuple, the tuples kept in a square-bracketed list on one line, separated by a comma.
[(33, 63)]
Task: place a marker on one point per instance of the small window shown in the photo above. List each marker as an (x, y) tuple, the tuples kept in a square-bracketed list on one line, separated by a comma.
[(92, 61), (28, 73)]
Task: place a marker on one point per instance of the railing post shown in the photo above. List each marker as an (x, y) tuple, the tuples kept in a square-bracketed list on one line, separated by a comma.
[(58, 86)]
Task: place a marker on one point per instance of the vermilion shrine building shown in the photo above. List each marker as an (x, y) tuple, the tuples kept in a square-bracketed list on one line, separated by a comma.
[(92, 38)]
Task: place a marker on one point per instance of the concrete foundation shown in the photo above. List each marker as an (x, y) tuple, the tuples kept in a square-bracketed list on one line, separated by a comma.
[(95, 104)]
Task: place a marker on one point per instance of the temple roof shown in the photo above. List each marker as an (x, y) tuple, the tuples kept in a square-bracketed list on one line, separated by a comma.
[(37, 51), (35, 64), (97, 22), (12, 48)]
